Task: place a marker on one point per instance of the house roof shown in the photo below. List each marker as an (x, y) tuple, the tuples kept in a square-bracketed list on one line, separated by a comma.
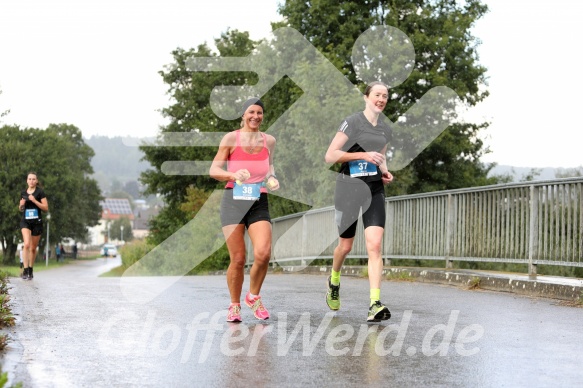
[(116, 207), (143, 216)]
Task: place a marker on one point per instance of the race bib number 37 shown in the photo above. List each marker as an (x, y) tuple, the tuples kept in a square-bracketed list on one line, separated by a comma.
[(362, 168), (247, 191)]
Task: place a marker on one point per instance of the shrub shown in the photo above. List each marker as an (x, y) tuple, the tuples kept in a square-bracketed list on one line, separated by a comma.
[(134, 251)]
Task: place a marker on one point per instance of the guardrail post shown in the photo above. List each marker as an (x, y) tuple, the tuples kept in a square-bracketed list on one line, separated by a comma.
[(388, 243), (305, 239), (449, 225), (533, 231)]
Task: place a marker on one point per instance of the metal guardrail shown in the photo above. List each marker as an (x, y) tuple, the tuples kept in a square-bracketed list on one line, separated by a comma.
[(538, 222)]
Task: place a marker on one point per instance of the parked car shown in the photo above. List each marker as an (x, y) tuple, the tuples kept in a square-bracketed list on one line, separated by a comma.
[(109, 250)]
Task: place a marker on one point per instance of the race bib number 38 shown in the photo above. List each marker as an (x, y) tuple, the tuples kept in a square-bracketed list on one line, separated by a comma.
[(362, 168), (247, 191), (31, 214)]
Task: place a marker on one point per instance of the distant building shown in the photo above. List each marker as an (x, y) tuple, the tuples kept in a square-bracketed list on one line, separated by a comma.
[(115, 208), (142, 217), (111, 209)]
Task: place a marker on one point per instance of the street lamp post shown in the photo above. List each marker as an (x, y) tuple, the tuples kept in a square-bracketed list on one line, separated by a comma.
[(48, 243), (108, 228), (121, 227)]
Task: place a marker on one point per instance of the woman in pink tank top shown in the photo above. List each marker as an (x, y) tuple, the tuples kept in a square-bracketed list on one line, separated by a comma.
[(245, 161)]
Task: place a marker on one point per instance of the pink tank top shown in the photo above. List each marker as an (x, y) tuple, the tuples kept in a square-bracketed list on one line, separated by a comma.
[(256, 164)]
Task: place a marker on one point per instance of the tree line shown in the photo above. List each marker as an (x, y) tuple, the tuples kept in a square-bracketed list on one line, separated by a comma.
[(61, 160)]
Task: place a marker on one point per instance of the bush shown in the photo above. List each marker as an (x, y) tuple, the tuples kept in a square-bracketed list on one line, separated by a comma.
[(217, 261), (6, 317), (134, 251), (4, 380)]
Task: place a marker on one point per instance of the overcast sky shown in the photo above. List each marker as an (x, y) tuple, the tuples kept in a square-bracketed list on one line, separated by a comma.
[(94, 64)]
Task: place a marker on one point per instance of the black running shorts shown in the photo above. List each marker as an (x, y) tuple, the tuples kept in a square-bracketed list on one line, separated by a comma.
[(352, 195), (235, 211), (36, 228)]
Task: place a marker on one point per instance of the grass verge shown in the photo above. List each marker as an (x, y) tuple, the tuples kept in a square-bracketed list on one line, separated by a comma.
[(573, 303), (130, 254), (400, 275), (4, 380), (474, 284), (6, 317)]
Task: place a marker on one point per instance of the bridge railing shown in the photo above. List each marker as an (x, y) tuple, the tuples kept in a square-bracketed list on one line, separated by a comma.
[(538, 222)]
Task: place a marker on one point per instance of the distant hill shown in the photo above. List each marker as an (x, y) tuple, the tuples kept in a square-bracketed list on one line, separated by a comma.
[(114, 163), (520, 173)]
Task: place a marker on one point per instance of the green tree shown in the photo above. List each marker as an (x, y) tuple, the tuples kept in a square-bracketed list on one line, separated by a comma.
[(446, 54), (115, 232), (62, 162), (13, 172)]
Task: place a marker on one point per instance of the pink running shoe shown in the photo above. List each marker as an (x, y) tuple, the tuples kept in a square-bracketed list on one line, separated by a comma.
[(234, 313), (255, 304)]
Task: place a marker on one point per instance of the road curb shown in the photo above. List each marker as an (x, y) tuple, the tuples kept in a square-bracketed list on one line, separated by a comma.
[(570, 289)]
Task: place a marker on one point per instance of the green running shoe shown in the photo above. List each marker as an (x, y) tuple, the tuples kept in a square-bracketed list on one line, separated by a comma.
[(378, 312), (333, 296)]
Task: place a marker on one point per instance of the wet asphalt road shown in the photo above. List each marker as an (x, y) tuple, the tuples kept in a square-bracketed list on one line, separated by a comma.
[(75, 329)]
